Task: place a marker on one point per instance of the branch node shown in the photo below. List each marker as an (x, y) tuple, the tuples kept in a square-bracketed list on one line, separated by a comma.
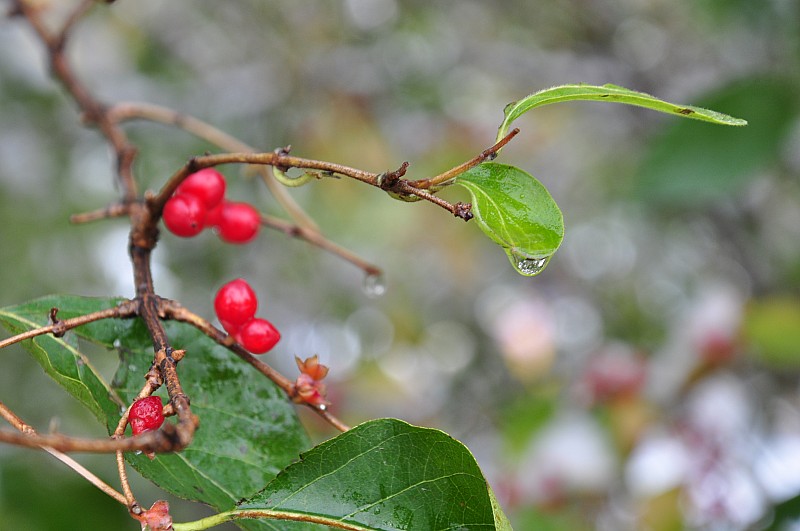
[(58, 327), (388, 181), (463, 211)]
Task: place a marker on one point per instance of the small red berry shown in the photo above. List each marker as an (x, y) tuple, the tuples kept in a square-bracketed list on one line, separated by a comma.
[(258, 336), (184, 215), (235, 304), (238, 222), (208, 184), (214, 216), (146, 414)]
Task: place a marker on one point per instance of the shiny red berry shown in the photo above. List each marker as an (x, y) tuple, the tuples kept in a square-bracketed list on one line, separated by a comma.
[(258, 336), (184, 215), (235, 304), (207, 184), (238, 222), (213, 216), (146, 414)]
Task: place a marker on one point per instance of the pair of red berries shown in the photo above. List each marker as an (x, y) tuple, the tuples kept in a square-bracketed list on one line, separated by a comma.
[(199, 203), (236, 304)]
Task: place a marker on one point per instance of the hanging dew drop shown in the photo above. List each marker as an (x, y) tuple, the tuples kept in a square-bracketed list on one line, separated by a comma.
[(531, 266), (374, 285), (528, 266)]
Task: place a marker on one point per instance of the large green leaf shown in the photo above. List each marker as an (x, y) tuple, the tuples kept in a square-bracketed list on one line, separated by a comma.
[(61, 358), (248, 429), (611, 93), (693, 164), (517, 212), (248, 432), (384, 475)]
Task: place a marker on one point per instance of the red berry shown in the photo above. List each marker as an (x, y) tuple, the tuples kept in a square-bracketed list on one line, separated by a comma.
[(146, 414), (213, 216), (258, 336), (238, 223), (235, 304), (208, 184), (184, 215)]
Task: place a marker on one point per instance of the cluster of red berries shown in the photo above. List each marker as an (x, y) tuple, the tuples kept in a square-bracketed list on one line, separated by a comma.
[(199, 203), (236, 304), (146, 414)]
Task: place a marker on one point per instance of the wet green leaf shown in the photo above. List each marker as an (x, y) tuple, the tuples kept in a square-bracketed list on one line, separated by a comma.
[(517, 212), (385, 475), (248, 429), (610, 93), (61, 358)]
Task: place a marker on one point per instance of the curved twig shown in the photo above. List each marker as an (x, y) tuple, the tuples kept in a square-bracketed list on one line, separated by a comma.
[(125, 309), (20, 425), (126, 111)]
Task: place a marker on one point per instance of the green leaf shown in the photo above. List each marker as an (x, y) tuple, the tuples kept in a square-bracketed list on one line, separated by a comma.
[(248, 429), (612, 93), (61, 358), (691, 165), (384, 475), (517, 212)]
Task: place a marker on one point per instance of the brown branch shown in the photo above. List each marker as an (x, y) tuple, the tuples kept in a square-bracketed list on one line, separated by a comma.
[(94, 112), (176, 311), (126, 111), (487, 154), (315, 238), (115, 210), (125, 309), (166, 439), (391, 181), (20, 425)]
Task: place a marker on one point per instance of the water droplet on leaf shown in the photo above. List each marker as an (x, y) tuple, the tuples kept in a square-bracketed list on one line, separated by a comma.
[(528, 266), (374, 285)]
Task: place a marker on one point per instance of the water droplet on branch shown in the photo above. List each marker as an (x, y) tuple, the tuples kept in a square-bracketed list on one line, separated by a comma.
[(374, 285)]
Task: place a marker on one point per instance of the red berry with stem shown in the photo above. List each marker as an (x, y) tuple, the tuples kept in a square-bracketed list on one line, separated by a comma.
[(258, 336), (184, 215), (146, 414), (207, 184), (238, 222), (235, 304)]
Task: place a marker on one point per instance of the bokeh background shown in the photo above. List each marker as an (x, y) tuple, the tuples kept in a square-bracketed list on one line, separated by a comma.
[(648, 379)]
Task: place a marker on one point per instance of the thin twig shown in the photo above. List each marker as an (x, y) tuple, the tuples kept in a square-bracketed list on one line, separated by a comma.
[(20, 425), (114, 210), (487, 154), (315, 238), (94, 112), (61, 37), (176, 311), (125, 309), (125, 111)]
